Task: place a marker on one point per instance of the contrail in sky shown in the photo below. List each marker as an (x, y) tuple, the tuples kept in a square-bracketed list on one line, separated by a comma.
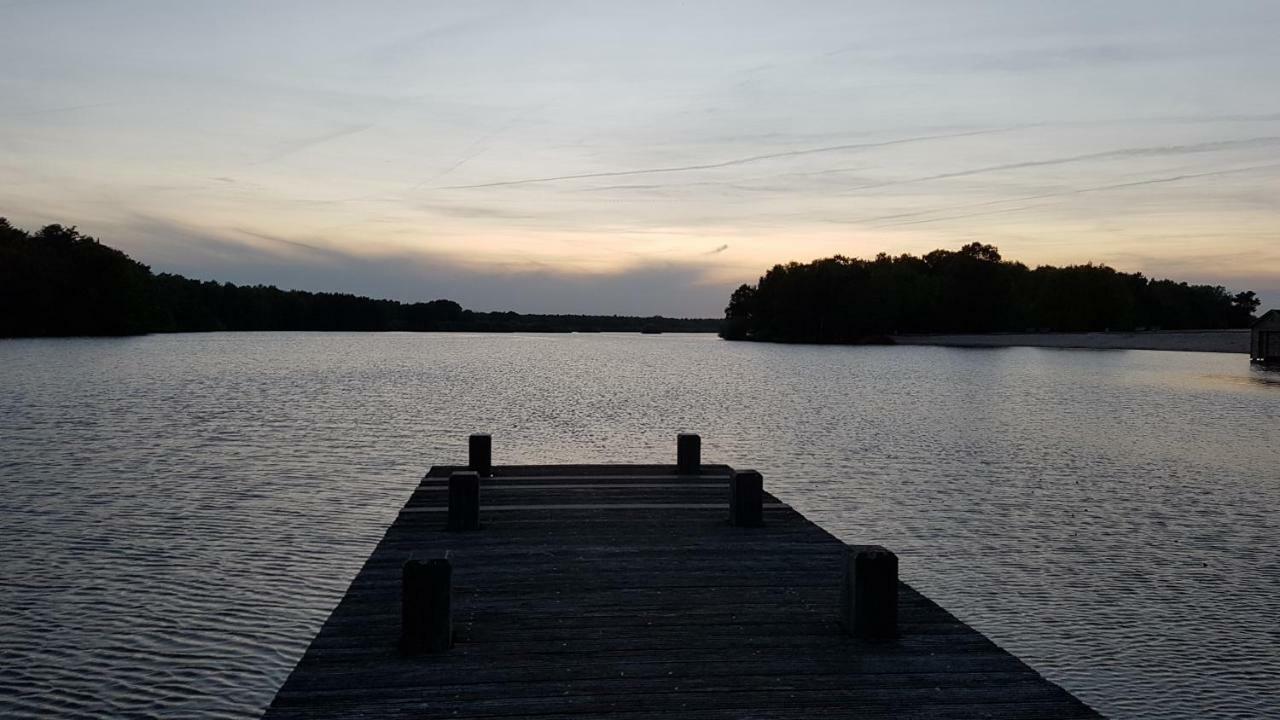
[(1153, 151), (727, 163), (300, 145), (1066, 193), (1135, 152)]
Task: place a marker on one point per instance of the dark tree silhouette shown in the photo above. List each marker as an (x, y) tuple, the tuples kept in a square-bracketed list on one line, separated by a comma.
[(60, 282), (970, 290)]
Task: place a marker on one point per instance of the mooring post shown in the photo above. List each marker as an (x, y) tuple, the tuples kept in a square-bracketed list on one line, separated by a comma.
[(869, 593), (688, 453), (746, 494), (464, 500), (426, 599), (480, 453)]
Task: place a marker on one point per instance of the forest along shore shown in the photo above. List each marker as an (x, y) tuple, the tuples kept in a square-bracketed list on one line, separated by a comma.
[(1224, 341)]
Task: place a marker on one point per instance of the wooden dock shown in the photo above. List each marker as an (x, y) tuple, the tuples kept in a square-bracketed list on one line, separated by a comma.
[(624, 590)]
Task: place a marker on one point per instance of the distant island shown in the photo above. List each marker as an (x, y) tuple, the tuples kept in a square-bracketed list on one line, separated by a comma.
[(970, 290), (60, 282)]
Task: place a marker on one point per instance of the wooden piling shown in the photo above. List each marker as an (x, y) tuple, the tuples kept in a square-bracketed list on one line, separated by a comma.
[(688, 453), (746, 494), (464, 501), (480, 453), (869, 593), (426, 606)]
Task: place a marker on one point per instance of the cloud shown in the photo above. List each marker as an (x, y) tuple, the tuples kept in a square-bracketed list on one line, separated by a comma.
[(1121, 153), (476, 212), (1042, 196), (719, 250), (1212, 268), (60, 109), (297, 146), (671, 288), (292, 244), (727, 163)]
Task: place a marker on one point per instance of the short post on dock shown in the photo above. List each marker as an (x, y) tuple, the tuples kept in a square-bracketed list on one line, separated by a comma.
[(746, 495), (688, 453), (426, 613), (480, 454), (464, 500), (869, 593)]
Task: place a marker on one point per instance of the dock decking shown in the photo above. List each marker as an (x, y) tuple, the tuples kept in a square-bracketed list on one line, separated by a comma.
[(623, 590)]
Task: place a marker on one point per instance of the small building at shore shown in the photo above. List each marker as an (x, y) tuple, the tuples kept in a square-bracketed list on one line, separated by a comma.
[(1264, 339)]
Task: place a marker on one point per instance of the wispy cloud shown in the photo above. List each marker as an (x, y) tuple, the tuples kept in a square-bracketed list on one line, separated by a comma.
[(644, 287), (292, 244), (1123, 153), (60, 109), (479, 146), (728, 163), (1043, 196), (296, 146), (1154, 151), (479, 212)]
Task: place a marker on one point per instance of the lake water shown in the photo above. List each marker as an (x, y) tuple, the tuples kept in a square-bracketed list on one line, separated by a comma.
[(178, 514)]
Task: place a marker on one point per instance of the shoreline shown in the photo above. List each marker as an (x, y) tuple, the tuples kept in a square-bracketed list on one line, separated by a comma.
[(1220, 341)]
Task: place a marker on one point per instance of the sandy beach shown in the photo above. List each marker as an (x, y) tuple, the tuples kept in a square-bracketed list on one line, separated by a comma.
[(1224, 341)]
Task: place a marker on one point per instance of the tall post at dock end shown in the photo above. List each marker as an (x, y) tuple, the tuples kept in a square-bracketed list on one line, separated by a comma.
[(746, 495), (688, 453), (480, 454), (426, 612), (464, 500), (869, 593)]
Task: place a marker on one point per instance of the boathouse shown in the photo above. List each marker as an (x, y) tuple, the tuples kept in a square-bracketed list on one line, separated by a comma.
[(1264, 339)]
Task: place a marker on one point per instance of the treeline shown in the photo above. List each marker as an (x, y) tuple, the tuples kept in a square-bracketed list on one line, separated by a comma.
[(58, 281), (971, 290)]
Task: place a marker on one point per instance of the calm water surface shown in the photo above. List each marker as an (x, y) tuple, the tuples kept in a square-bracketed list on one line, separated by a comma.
[(178, 514)]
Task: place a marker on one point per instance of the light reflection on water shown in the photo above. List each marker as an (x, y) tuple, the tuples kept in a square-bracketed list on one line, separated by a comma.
[(181, 512)]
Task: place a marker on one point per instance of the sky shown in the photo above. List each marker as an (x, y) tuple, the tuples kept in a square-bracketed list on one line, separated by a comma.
[(642, 157)]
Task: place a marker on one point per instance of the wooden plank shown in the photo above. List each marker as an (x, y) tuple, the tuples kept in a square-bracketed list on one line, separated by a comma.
[(623, 590)]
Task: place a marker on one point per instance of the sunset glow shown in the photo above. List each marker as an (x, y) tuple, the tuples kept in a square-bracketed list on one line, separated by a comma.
[(593, 150)]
